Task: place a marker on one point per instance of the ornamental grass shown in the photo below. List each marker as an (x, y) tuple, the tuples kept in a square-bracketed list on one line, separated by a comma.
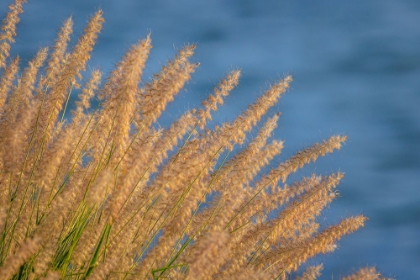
[(109, 194)]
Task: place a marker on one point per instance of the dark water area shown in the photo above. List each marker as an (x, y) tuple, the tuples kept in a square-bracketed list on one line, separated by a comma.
[(356, 69)]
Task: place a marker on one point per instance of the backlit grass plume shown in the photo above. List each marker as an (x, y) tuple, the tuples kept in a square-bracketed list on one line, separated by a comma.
[(108, 194)]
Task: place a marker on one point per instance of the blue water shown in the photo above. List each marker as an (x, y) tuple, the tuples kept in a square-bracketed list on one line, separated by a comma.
[(356, 68)]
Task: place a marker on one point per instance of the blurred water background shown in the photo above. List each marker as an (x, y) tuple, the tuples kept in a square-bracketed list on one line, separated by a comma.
[(356, 69)]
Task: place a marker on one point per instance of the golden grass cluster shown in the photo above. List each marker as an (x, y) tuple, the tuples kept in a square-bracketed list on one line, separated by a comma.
[(109, 194)]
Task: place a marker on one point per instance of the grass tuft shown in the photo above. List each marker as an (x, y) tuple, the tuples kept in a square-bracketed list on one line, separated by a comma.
[(108, 194)]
